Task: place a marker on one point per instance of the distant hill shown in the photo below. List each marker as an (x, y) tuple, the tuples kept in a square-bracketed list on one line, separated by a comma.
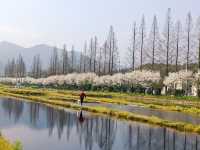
[(10, 50)]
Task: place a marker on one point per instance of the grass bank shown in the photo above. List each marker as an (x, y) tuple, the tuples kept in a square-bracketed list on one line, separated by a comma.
[(6, 145), (185, 106), (43, 97)]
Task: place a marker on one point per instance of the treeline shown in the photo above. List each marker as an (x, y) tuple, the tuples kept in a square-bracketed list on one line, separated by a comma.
[(15, 68), (94, 58), (176, 47)]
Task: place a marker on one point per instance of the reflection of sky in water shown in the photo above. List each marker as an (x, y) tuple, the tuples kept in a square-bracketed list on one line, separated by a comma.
[(40, 127)]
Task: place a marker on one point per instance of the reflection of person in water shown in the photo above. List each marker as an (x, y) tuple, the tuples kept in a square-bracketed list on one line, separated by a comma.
[(80, 117)]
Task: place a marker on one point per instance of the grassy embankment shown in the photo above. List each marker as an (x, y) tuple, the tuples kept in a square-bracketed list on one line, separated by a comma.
[(58, 98), (189, 105), (167, 103), (6, 145)]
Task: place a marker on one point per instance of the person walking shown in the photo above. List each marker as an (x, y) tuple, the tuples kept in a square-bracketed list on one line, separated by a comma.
[(82, 96)]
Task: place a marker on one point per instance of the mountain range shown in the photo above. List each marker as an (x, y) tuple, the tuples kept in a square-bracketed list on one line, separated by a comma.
[(10, 50)]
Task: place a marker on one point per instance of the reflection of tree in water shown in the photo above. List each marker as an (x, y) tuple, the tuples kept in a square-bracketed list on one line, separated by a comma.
[(70, 122), (99, 130), (13, 108), (59, 119), (140, 137), (51, 117), (106, 134), (62, 119), (88, 136), (34, 113)]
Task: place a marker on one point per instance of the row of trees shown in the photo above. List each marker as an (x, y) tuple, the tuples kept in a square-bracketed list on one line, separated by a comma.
[(93, 58), (135, 81), (15, 68), (177, 46)]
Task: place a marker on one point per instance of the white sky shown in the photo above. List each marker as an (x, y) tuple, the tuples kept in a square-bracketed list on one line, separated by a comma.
[(55, 22)]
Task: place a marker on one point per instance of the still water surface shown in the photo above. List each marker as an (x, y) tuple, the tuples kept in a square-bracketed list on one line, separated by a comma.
[(40, 127)]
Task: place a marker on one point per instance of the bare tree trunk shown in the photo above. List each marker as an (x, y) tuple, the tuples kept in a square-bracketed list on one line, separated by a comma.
[(189, 26), (141, 51), (177, 44), (154, 38), (100, 57), (142, 42), (80, 65), (133, 47), (188, 50), (167, 36), (91, 51), (167, 59), (72, 59), (105, 58), (85, 51), (110, 56), (95, 50), (64, 60), (199, 55)]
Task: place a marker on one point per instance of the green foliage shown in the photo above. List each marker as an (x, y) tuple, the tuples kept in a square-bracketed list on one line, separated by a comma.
[(17, 146), (6, 145)]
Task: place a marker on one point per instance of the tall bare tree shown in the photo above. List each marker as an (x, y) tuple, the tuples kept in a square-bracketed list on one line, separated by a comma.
[(95, 51), (105, 57), (100, 60), (20, 67), (36, 67), (110, 37), (189, 27), (65, 64), (178, 29), (10, 68), (198, 40), (167, 34), (91, 54), (81, 61), (133, 46), (154, 43), (72, 59), (85, 57), (142, 37), (112, 50), (54, 62)]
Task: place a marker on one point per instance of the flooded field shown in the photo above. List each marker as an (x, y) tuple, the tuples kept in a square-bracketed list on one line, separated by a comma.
[(45, 128)]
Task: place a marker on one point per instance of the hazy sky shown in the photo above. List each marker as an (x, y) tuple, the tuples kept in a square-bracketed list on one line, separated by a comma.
[(55, 22)]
